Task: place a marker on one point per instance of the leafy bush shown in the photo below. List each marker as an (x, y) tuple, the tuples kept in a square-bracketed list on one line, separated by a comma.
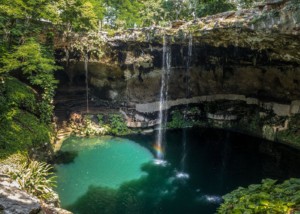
[(214, 7), (35, 178), (90, 128), (177, 120), (292, 134), (20, 131), (267, 197), (117, 125), (16, 94), (38, 66), (21, 128), (194, 111), (100, 119)]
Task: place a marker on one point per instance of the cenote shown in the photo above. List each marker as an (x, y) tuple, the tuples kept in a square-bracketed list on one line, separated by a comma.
[(119, 175)]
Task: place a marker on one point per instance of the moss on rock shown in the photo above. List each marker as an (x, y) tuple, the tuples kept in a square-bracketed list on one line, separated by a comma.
[(21, 128)]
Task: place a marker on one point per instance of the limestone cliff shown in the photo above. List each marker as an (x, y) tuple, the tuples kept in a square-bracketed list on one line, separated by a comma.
[(252, 54)]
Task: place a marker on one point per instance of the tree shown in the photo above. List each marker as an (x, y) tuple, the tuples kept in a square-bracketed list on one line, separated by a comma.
[(20, 19), (177, 9), (99, 10), (152, 12), (31, 59), (210, 7), (126, 12)]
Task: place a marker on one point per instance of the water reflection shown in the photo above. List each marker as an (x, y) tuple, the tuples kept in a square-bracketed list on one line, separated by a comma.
[(154, 193), (218, 162)]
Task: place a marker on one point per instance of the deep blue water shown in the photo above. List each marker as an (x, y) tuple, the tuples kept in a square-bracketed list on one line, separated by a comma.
[(122, 176)]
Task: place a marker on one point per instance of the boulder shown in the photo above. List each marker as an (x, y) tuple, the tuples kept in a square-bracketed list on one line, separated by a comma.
[(15, 201)]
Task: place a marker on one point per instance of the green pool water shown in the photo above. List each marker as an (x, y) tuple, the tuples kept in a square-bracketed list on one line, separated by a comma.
[(110, 175), (105, 161)]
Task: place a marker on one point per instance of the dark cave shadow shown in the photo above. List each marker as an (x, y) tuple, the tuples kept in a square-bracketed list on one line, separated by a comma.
[(157, 192)]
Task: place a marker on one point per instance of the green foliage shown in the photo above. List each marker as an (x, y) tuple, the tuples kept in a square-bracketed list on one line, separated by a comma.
[(21, 19), (91, 129), (85, 15), (174, 10), (177, 120), (30, 58), (255, 123), (100, 119), (80, 15), (247, 3), (184, 118), (20, 129), (292, 134), (267, 197), (152, 12), (35, 178), (214, 7), (194, 111), (16, 94), (117, 125), (33, 62), (126, 13), (90, 44)]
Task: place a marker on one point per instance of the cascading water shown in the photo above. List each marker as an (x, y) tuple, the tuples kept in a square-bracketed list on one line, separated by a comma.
[(166, 67), (86, 60), (182, 173), (236, 45)]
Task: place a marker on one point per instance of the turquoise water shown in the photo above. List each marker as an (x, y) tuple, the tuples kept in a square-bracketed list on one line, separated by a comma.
[(105, 161), (120, 176)]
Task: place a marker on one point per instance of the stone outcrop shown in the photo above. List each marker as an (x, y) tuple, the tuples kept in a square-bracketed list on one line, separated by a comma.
[(273, 82), (221, 117), (15, 201), (277, 108)]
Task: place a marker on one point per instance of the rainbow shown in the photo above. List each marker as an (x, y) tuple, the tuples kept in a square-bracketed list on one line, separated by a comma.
[(159, 150)]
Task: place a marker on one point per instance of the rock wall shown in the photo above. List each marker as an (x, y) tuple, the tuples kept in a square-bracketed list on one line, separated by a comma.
[(269, 83), (252, 52), (212, 70), (277, 108), (249, 55)]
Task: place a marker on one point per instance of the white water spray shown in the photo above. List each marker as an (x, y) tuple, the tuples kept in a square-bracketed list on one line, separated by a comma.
[(182, 173), (166, 67)]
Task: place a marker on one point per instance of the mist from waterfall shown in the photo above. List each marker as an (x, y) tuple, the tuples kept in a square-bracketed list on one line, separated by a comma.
[(166, 68)]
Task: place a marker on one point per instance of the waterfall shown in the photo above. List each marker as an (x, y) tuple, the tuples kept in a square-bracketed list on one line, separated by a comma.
[(182, 173), (166, 67), (86, 61), (236, 45)]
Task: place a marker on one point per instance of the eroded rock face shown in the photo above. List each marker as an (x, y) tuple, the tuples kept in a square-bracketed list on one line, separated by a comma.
[(252, 52), (277, 83), (15, 201)]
